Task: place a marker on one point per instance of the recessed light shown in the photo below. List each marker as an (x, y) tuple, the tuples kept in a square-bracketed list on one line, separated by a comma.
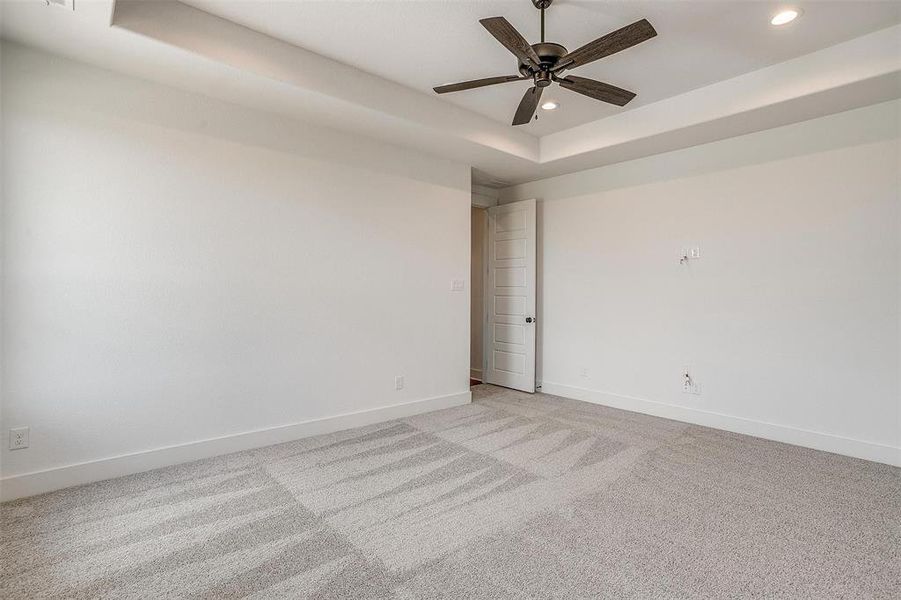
[(549, 105), (786, 16)]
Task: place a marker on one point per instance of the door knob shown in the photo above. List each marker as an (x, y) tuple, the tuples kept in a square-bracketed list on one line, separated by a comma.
[(529, 319)]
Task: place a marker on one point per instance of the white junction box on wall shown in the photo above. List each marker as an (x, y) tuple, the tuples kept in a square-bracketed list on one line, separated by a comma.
[(69, 4)]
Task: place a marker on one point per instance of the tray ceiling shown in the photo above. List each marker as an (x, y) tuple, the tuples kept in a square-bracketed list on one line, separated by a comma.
[(424, 43)]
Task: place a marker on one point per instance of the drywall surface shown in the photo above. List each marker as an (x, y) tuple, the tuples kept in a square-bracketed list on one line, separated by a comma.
[(178, 269), (789, 320), (484, 197), (477, 291)]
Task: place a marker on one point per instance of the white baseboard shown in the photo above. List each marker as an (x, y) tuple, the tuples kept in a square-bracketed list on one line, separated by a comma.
[(475, 374), (38, 482), (890, 455)]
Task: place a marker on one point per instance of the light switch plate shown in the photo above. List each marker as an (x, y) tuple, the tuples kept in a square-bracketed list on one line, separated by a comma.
[(458, 285)]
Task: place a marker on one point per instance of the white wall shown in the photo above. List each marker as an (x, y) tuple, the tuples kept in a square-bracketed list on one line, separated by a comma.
[(178, 269), (789, 320)]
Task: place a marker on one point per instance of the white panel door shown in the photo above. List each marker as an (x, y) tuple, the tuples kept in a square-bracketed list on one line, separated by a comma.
[(509, 333)]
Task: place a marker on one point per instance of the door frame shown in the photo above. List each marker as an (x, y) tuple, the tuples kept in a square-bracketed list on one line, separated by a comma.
[(483, 266)]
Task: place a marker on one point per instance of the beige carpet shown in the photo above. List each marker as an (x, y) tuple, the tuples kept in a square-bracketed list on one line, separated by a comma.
[(513, 496)]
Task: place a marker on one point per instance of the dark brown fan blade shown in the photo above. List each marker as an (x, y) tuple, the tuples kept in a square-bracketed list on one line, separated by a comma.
[(527, 106), (597, 90), (611, 43), (512, 40), (476, 83)]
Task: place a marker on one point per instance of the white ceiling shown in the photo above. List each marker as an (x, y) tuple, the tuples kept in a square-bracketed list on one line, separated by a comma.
[(423, 43), (681, 103)]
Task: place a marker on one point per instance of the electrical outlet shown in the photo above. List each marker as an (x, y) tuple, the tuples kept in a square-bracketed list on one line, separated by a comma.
[(695, 388), (687, 382), (687, 254), (399, 382), (18, 438), (583, 373)]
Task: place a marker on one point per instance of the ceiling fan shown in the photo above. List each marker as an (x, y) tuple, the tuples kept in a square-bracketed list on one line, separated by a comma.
[(544, 62)]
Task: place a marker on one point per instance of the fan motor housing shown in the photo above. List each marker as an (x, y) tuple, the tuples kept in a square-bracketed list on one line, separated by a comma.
[(549, 53)]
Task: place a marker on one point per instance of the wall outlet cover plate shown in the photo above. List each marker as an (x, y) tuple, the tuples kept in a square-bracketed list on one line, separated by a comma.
[(18, 438)]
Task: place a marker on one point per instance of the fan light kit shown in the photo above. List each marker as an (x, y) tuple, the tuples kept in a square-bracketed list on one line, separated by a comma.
[(543, 63), (786, 16), (550, 106)]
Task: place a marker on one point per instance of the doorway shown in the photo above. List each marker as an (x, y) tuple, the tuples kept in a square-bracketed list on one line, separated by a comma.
[(477, 304), (503, 302)]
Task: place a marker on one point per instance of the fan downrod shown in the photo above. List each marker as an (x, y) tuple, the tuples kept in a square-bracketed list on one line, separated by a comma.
[(548, 52)]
